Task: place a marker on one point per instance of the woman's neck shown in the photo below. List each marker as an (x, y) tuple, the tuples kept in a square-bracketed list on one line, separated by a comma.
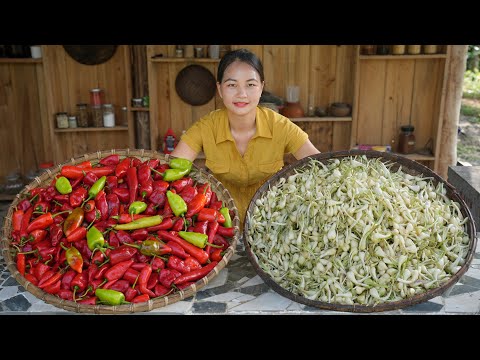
[(242, 124)]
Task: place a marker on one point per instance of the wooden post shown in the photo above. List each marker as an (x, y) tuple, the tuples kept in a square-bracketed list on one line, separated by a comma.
[(140, 89), (453, 98)]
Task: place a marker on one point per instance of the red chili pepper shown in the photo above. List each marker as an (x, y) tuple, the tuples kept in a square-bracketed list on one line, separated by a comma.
[(212, 230), (65, 207), (178, 224), (145, 189), (113, 159), (92, 216), (40, 270), (209, 214), (42, 222), (65, 294), (79, 282), (21, 263), (117, 270), (31, 278), (161, 185), (207, 190), (157, 263), (139, 234), (124, 237), (25, 221), (122, 193), (121, 168), (53, 288), (177, 264), (201, 227), (228, 232), (121, 253), (63, 198), (120, 285), (73, 221), (111, 182), (197, 204), (216, 255), (132, 182), (167, 210), (103, 171), (177, 250), (88, 301), (144, 173), (141, 298), (24, 205), (160, 169), (195, 274), (128, 218), (89, 206), (77, 196), (167, 276), (151, 209), (180, 184), (37, 236), (113, 240), (152, 281), (50, 277), (102, 205), (158, 198), (42, 206), (160, 290), (17, 220), (77, 234), (143, 278), (101, 271), (67, 279), (49, 193), (72, 172), (85, 165), (166, 224), (113, 204), (138, 266), (90, 178), (188, 193), (199, 254), (220, 240), (131, 275)]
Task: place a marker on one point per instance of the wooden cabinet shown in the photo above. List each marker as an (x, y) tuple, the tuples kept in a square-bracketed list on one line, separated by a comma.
[(396, 90)]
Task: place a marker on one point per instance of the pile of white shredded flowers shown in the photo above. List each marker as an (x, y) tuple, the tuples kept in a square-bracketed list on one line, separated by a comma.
[(354, 232)]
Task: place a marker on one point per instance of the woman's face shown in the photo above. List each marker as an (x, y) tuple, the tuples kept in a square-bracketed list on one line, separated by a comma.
[(241, 88)]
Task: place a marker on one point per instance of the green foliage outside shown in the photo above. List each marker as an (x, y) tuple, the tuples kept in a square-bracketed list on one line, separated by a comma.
[(471, 84)]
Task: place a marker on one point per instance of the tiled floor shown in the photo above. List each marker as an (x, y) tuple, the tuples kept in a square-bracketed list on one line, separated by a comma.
[(239, 290)]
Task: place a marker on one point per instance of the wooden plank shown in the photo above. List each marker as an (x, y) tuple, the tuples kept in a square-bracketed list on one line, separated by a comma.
[(370, 102), (341, 135), (397, 101), (320, 134), (180, 112), (344, 73)]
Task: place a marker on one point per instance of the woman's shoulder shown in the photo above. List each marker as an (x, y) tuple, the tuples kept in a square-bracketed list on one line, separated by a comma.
[(212, 117), (272, 117)]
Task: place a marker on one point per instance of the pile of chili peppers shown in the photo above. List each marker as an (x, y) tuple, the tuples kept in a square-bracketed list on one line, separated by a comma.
[(120, 230)]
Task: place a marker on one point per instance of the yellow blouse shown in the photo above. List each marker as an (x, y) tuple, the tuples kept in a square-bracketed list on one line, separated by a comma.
[(276, 135)]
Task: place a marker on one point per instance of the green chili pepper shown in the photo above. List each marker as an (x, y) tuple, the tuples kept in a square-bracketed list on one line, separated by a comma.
[(197, 239), (179, 163), (226, 214), (151, 247), (95, 238), (110, 297), (137, 207), (178, 205), (141, 223), (96, 187), (63, 185), (174, 174)]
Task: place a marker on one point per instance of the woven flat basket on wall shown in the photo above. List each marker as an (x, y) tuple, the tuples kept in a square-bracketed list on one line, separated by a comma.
[(408, 166), (45, 179)]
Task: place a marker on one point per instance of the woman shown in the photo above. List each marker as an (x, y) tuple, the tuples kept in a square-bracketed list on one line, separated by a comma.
[(244, 144)]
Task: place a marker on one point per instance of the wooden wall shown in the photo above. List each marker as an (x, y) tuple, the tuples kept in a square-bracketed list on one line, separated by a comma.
[(68, 82), (24, 140), (323, 73)]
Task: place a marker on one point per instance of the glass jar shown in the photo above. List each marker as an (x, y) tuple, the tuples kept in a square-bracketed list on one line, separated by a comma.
[(406, 141), (382, 49), (108, 115), (97, 116), (398, 49), (82, 115), (72, 122), (96, 97), (124, 116), (369, 49), (414, 49), (430, 49), (62, 120)]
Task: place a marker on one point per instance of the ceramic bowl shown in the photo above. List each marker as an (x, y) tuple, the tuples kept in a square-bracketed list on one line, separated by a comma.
[(340, 109)]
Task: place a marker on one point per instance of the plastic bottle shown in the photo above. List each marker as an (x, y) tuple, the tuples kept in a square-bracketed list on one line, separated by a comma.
[(406, 141)]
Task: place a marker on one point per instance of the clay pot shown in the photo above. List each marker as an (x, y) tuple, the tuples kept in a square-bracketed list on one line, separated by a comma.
[(292, 110)]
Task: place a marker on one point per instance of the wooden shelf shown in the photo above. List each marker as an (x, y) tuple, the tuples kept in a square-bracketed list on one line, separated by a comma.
[(402, 57), (139, 109), (20, 61), (183, 60), (323, 118), (418, 157), (90, 129)]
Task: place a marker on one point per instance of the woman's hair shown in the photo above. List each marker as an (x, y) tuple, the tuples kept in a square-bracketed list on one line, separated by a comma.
[(242, 55)]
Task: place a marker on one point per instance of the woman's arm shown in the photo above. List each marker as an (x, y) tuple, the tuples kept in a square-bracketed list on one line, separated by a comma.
[(306, 149), (182, 150)]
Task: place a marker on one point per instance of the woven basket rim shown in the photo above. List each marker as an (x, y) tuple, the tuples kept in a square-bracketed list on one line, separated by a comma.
[(409, 166), (197, 173)]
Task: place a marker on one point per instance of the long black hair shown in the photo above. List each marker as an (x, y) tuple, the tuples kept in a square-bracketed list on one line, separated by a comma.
[(242, 55)]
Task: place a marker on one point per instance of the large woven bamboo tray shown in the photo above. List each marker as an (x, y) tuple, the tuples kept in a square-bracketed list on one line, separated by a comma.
[(196, 173), (407, 166)]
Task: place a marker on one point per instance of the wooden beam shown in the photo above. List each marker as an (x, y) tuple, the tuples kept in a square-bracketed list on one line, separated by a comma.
[(447, 149)]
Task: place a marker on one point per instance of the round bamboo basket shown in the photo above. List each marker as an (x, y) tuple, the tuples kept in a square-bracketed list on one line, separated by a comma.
[(196, 173), (409, 166)]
